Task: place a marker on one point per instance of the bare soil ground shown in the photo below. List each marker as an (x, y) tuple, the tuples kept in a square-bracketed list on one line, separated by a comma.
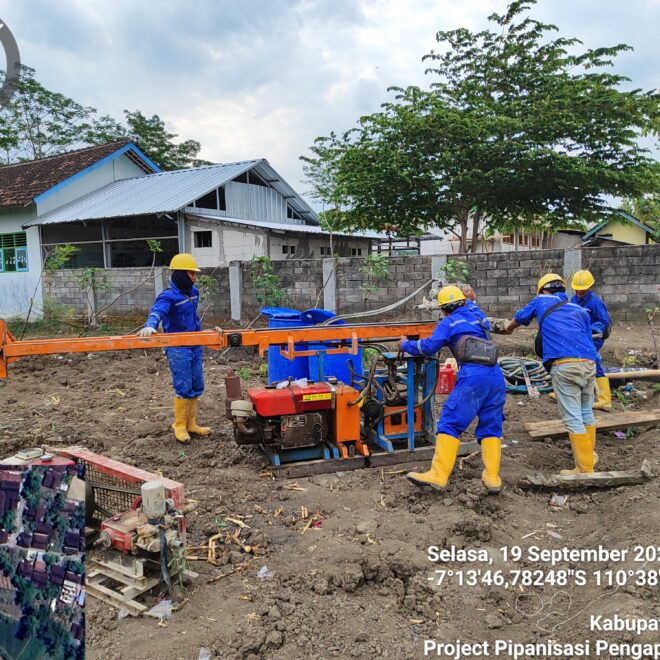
[(356, 585)]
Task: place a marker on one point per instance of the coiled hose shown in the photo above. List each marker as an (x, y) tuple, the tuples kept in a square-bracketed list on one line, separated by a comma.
[(515, 378)]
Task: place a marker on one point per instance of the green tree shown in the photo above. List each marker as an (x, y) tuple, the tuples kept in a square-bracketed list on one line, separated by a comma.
[(376, 267), (514, 130), (647, 209), (154, 138), (38, 122), (267, 288), (8, 519)]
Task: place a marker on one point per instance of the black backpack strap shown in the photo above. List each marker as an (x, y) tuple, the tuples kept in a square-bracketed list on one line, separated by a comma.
[(548, 311), (484, 327), (482, 323)]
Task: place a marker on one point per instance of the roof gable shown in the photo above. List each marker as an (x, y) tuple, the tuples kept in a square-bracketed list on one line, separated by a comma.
[(626, 217), (22, 183), (168, 192)]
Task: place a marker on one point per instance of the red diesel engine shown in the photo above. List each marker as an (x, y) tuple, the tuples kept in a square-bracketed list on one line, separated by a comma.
[(291, 417)]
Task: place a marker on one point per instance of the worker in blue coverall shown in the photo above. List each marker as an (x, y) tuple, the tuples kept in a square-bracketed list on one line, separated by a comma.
[(581, 283), (176, 309), (569, 355), (480, 391)]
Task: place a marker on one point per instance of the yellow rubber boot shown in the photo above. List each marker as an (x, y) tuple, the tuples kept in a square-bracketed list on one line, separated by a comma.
[(604, 401), (180, 426), (583, 453), (446, 449), (591, 432), (192, 420), (491, 451)]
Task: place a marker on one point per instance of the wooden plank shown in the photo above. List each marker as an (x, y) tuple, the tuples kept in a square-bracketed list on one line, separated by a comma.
[(133, 607), (631, 375), (555, 427), (593, 480), (121, 573), (399, 456)]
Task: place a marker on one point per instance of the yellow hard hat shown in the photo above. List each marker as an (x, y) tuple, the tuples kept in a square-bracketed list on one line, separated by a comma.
[(450, 294), (546, 279), (183, 261), (582, 280)]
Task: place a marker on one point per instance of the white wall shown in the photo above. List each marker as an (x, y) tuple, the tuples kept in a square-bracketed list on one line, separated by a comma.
[(243, 244), (309, 246), (16, 289), (232, 243), (227, 243), (121, 167)]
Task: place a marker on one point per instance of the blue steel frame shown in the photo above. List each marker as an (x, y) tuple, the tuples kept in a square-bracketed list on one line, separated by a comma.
[(386, 442)]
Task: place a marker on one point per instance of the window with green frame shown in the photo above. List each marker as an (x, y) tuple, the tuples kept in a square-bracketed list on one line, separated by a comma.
[(13, 253)]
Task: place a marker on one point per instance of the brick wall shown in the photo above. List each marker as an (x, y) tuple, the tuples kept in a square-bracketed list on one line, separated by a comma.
[(301, 280), (627, 278), (65, 290), (121, 280), (136, 302), (220, 307), (405, 276), (504, 281)]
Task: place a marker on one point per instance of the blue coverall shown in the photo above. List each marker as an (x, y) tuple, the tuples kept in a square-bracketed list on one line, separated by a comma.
[(178, 313), (600, 320), (566, 331), (480, 391)]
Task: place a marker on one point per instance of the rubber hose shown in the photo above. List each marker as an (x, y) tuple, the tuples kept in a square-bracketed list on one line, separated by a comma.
[(381, 310)]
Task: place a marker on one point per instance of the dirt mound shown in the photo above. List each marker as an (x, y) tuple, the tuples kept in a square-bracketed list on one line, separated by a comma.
[(356, 583)]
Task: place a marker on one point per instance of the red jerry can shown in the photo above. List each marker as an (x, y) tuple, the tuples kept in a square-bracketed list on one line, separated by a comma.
[(446, 379)]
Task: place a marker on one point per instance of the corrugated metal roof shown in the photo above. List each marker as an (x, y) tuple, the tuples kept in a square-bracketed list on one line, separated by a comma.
[(283, 226), (167, 192)]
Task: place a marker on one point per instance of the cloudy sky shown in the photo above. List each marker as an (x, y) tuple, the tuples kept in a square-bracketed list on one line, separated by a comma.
[(263, 78)]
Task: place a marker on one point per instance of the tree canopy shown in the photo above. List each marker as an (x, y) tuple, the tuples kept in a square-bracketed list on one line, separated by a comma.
[(516, 129), (38, 122), (647, 209)]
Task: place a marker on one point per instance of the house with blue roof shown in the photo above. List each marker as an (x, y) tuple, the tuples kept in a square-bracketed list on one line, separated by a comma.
[(109, 200), (31, 189)]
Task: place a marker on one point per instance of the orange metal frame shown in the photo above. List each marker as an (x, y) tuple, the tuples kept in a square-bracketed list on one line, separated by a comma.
[(347, 335)]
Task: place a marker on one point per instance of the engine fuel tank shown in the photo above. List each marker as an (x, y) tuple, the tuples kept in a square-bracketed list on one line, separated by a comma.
[(270, 402)]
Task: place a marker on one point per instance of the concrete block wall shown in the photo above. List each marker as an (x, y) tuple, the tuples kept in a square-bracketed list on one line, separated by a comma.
[(301, 280), (64, 289), (406, 274), (627, 278), (136, 302), (220, 307), (505, 281)]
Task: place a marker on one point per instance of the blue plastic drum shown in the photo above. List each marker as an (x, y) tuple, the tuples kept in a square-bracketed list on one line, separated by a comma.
[(279, 368), (333, 365)]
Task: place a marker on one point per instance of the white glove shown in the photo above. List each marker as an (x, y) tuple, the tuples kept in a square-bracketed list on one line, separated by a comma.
[(147, 332)]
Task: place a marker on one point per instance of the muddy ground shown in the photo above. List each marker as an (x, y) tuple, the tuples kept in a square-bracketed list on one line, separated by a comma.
[(355, 583)]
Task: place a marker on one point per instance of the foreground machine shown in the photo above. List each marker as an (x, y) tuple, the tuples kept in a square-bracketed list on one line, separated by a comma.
[(136, 521), (390, 406)]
